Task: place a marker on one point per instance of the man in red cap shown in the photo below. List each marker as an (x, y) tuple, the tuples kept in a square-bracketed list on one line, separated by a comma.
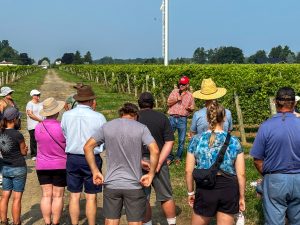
[(181, 104)]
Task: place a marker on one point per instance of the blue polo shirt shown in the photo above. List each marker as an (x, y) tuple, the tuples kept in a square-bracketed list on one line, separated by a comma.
[(277, 143)]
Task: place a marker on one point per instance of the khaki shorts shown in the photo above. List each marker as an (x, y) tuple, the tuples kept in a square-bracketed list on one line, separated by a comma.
[(134, 202)]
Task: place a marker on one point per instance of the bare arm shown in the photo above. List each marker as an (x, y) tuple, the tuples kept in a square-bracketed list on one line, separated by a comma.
[(146, 180), (90, 158), (23, 148), (240, 172), (32, 116), (189, 168), (258, 163), (165, 151)]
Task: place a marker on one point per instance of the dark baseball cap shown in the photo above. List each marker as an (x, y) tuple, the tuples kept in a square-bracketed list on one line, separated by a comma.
[(11, 113), (285, 94)]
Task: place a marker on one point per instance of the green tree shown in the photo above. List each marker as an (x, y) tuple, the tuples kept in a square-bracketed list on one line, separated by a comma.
[(229, 55), (259, 57), (25, 60), (88, 58), (298, 58), (200, 56), (77, 58), (280, 54), (42, 59), (67, 58)]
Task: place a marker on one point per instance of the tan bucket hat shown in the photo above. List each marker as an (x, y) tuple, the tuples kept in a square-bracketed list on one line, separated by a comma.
[(51, 107), (209, 90)]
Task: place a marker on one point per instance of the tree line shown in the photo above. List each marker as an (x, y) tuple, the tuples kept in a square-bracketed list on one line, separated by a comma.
[(8, 54)]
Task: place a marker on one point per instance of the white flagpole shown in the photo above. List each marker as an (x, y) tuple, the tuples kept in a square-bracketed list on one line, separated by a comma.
[(165, 24)]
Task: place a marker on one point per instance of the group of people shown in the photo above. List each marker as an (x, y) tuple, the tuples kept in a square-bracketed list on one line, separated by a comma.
[(138, 149)]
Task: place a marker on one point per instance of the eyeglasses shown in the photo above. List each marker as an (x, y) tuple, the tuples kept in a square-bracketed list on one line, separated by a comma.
[(182, 84), (37, 95)]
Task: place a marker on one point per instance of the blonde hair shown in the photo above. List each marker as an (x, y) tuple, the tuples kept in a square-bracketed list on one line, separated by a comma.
[(215, 115)]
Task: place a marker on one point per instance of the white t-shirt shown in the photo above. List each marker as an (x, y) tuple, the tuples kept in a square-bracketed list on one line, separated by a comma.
[(35, 108)]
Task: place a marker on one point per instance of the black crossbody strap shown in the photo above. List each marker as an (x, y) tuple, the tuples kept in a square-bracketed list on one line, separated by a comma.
[(52, 137), (221, 154)]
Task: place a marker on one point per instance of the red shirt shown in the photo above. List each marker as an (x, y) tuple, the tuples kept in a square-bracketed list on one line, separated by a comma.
[(179, 108)]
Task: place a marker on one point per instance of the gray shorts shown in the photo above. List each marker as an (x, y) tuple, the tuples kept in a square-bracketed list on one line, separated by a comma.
[(161, 184), (134, 202)]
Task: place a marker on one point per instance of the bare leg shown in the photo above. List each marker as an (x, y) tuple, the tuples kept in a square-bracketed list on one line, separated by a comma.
[(91, 207), (4, 204), (74, 208), (225, 219), (112, 221), (57, 203), (46, 202), (135, 223), (169, 208), (200, 220), (16, 207)]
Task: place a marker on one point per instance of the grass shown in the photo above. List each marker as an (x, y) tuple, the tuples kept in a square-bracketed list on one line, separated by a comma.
[(108, 103)]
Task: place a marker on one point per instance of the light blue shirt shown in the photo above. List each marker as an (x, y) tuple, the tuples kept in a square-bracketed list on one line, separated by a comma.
[(78, 125), (200, 124)]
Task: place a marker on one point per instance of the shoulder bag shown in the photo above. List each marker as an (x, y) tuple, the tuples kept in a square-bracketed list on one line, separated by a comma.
[(52, 137), (206, 178)]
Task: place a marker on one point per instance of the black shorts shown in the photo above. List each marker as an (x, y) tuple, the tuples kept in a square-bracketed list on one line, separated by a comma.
[(56, 177), (224, 197)]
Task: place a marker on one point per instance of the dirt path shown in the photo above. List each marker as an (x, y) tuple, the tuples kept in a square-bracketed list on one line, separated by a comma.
[(54, 86)]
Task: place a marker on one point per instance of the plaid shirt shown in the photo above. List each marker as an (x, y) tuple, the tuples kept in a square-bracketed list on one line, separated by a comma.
[(179, 108)]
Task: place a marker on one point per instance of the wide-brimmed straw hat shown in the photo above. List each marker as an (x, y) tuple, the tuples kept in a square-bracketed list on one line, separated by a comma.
[(84, 93), (51, 107), (209, 90)]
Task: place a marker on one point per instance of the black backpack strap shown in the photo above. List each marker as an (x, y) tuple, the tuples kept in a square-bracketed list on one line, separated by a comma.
[(221, 154)]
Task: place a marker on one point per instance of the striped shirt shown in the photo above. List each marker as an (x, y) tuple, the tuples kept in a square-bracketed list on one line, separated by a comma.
[(179, 108)]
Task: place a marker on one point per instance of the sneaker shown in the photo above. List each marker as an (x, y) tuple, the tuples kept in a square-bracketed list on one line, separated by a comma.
[(33, 158)]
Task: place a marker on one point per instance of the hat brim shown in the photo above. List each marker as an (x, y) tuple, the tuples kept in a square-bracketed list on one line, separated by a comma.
[(4, 94), (57, 109), (218, 94), (83, 98)]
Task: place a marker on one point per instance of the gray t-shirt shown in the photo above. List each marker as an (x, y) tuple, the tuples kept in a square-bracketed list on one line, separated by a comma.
[(123, 140)]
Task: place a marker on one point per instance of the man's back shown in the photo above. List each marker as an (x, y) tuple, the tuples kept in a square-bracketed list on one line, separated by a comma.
[(123, 140), (278, 144), (78, 125), (158, 124)]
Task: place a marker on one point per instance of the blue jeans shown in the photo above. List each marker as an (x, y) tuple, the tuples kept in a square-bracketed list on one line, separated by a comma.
[(180, 124), (14, 178), (281, 196)]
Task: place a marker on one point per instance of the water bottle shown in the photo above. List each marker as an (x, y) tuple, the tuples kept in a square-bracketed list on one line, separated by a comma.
[(240, 219)]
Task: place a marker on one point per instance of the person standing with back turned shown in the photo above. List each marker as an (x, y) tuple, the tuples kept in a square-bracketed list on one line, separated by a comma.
[(276, 153), (78, 125), (161, 130)]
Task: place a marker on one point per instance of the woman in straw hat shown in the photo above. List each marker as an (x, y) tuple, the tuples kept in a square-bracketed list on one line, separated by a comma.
[(51, 160), (227, 197), (208, 92)]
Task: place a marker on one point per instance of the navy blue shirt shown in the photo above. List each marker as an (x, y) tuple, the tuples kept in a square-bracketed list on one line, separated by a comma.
[(277, 143)]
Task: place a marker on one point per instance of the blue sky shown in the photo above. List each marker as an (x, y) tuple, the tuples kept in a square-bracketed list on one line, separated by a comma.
[(132, 28)]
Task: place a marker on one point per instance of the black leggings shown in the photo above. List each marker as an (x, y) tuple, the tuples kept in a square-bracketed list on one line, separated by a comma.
[(32, 143)]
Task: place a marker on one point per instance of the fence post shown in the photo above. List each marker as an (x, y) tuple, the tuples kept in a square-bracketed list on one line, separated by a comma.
[(153, 88), (272, 106), (128, 83), (240, 118), (6, 80), (105, 78), (147, 78), (135, 87)]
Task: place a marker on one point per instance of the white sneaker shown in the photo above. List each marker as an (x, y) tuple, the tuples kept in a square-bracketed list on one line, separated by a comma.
[(33, 158)]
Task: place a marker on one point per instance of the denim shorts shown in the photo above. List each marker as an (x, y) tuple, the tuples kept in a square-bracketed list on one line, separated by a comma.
[(14, 178)]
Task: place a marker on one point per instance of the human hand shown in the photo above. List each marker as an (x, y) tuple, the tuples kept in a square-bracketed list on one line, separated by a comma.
[(145, 165), (98, 178), (146, 180), (242, 204), (191, 200)]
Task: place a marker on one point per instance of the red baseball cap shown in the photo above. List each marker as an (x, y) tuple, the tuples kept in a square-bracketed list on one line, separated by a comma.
[(184, 80)]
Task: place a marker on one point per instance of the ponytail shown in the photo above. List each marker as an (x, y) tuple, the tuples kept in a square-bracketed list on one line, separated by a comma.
[(215, 115)]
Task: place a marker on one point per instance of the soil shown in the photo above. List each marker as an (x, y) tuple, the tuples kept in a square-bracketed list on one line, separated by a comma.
[(54, 86)]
